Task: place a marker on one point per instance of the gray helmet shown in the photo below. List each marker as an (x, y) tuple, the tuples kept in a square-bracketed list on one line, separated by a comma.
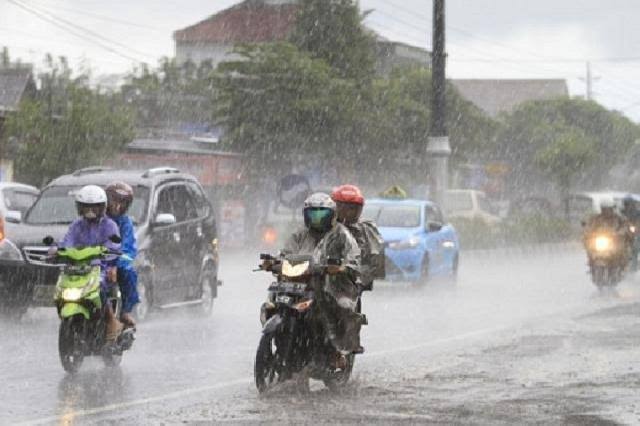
[(319, 212)]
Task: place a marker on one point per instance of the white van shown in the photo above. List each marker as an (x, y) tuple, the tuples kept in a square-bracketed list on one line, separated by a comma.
[(470, 204), (581, 205)]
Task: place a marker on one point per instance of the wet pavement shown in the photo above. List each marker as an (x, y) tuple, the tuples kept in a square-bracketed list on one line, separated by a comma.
[(522, 338)]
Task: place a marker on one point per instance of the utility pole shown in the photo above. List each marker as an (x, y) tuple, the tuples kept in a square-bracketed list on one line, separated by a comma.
[(589, 81), (438, 148)]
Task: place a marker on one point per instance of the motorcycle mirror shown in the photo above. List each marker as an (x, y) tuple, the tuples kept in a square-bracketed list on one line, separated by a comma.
[(48, 240), (115, 239)]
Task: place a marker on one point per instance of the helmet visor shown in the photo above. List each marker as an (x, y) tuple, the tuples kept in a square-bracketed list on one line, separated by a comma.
[(318, 218)]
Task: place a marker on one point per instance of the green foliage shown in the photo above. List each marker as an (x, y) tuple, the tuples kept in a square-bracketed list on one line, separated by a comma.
[(277, 102), (171, 94), (572, 140), (67, 126), (332, 30)]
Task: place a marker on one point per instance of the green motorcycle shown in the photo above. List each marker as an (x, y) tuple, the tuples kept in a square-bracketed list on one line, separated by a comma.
[(77, 298)]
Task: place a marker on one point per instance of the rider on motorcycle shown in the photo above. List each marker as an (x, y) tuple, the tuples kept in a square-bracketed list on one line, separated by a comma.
[(632, 213), (349, 203), (608, 219), (120, 197), (94, 228), (337, 296)]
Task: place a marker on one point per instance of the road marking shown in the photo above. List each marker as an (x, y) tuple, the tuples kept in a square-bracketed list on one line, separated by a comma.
[(73, 415)]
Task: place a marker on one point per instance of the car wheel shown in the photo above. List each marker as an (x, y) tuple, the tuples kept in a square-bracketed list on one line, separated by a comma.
[(424, 271), (206, 283), (141, 310), (454, 269)]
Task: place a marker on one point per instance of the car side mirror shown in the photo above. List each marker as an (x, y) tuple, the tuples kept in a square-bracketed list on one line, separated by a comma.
[(164, 219), (434, 227), (13, 216)]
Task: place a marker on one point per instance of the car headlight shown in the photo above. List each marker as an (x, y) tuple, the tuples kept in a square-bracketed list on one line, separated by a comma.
[(72, 294), (9, 251), (411, 243)]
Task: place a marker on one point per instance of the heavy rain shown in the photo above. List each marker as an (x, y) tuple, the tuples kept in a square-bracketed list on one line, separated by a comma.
[(319, 211)]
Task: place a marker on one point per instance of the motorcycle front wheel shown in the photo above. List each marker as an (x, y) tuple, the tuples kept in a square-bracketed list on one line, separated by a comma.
[(70, 343), (267, 369)]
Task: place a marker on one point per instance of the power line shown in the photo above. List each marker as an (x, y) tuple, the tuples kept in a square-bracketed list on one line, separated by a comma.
[(66, 28), (105, 18)]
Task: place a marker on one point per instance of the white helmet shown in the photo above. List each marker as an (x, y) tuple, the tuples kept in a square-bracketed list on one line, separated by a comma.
[(91, 202), (91, 194)]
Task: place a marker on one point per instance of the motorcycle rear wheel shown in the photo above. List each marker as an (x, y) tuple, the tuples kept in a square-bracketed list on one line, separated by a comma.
[(267, 369), (339, 378), (70, 344)]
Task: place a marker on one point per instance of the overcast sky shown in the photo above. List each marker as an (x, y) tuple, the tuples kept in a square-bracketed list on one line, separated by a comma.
[(485, 38)]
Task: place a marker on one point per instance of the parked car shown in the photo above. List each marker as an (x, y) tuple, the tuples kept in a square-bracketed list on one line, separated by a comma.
[(470, 204), (177, 261), (419, 244), (15, 199)]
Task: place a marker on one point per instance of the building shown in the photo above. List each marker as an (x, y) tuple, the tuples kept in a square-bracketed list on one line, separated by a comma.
[(252, 21), (261, 21), (495, 96), (16, 84)]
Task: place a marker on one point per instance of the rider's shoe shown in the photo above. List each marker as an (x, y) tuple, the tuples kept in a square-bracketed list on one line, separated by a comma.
[(127, 320)]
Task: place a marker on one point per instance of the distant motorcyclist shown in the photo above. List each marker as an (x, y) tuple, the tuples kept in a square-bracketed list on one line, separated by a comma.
[(336, 294), (610, 220), (631, 212), (349, 204), (120, 197), (94, 228)]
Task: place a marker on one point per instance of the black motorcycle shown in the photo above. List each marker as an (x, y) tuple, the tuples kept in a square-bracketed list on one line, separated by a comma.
[(293, 341), (608, 258)]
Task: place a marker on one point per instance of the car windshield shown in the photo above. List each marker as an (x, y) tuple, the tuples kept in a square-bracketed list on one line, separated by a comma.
[(56, 206), (458, 201), (18, 199), (400, 216)]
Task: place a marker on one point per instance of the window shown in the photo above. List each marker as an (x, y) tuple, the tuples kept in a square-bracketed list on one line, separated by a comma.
[(57, 206), (18, 199), (200, 200), (176, 200), (395, 216)]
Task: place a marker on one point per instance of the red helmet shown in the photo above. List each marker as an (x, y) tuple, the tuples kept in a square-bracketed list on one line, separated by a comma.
[(348, 194)]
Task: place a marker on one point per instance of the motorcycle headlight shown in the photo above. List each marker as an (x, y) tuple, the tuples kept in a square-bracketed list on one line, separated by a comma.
[(72, 294), (9, 251), (603, 243), (411, 243)]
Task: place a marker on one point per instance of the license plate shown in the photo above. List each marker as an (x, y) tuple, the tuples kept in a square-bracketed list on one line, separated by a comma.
[(43, 295), (283, 299)]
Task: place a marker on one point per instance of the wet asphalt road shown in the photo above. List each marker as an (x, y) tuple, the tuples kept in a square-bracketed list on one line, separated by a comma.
[(435, 354)]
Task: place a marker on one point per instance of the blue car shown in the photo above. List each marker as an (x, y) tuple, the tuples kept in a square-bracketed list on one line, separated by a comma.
[(418, 243)]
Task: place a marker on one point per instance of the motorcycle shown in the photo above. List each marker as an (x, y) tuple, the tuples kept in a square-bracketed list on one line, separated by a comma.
[(608, 257), (293, 341), (82, 330)]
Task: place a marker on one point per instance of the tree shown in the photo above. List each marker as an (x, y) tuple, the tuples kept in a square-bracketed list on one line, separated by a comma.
[(278, 103), (67, 126), (332, 30), (172, 95), (536, 132)]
